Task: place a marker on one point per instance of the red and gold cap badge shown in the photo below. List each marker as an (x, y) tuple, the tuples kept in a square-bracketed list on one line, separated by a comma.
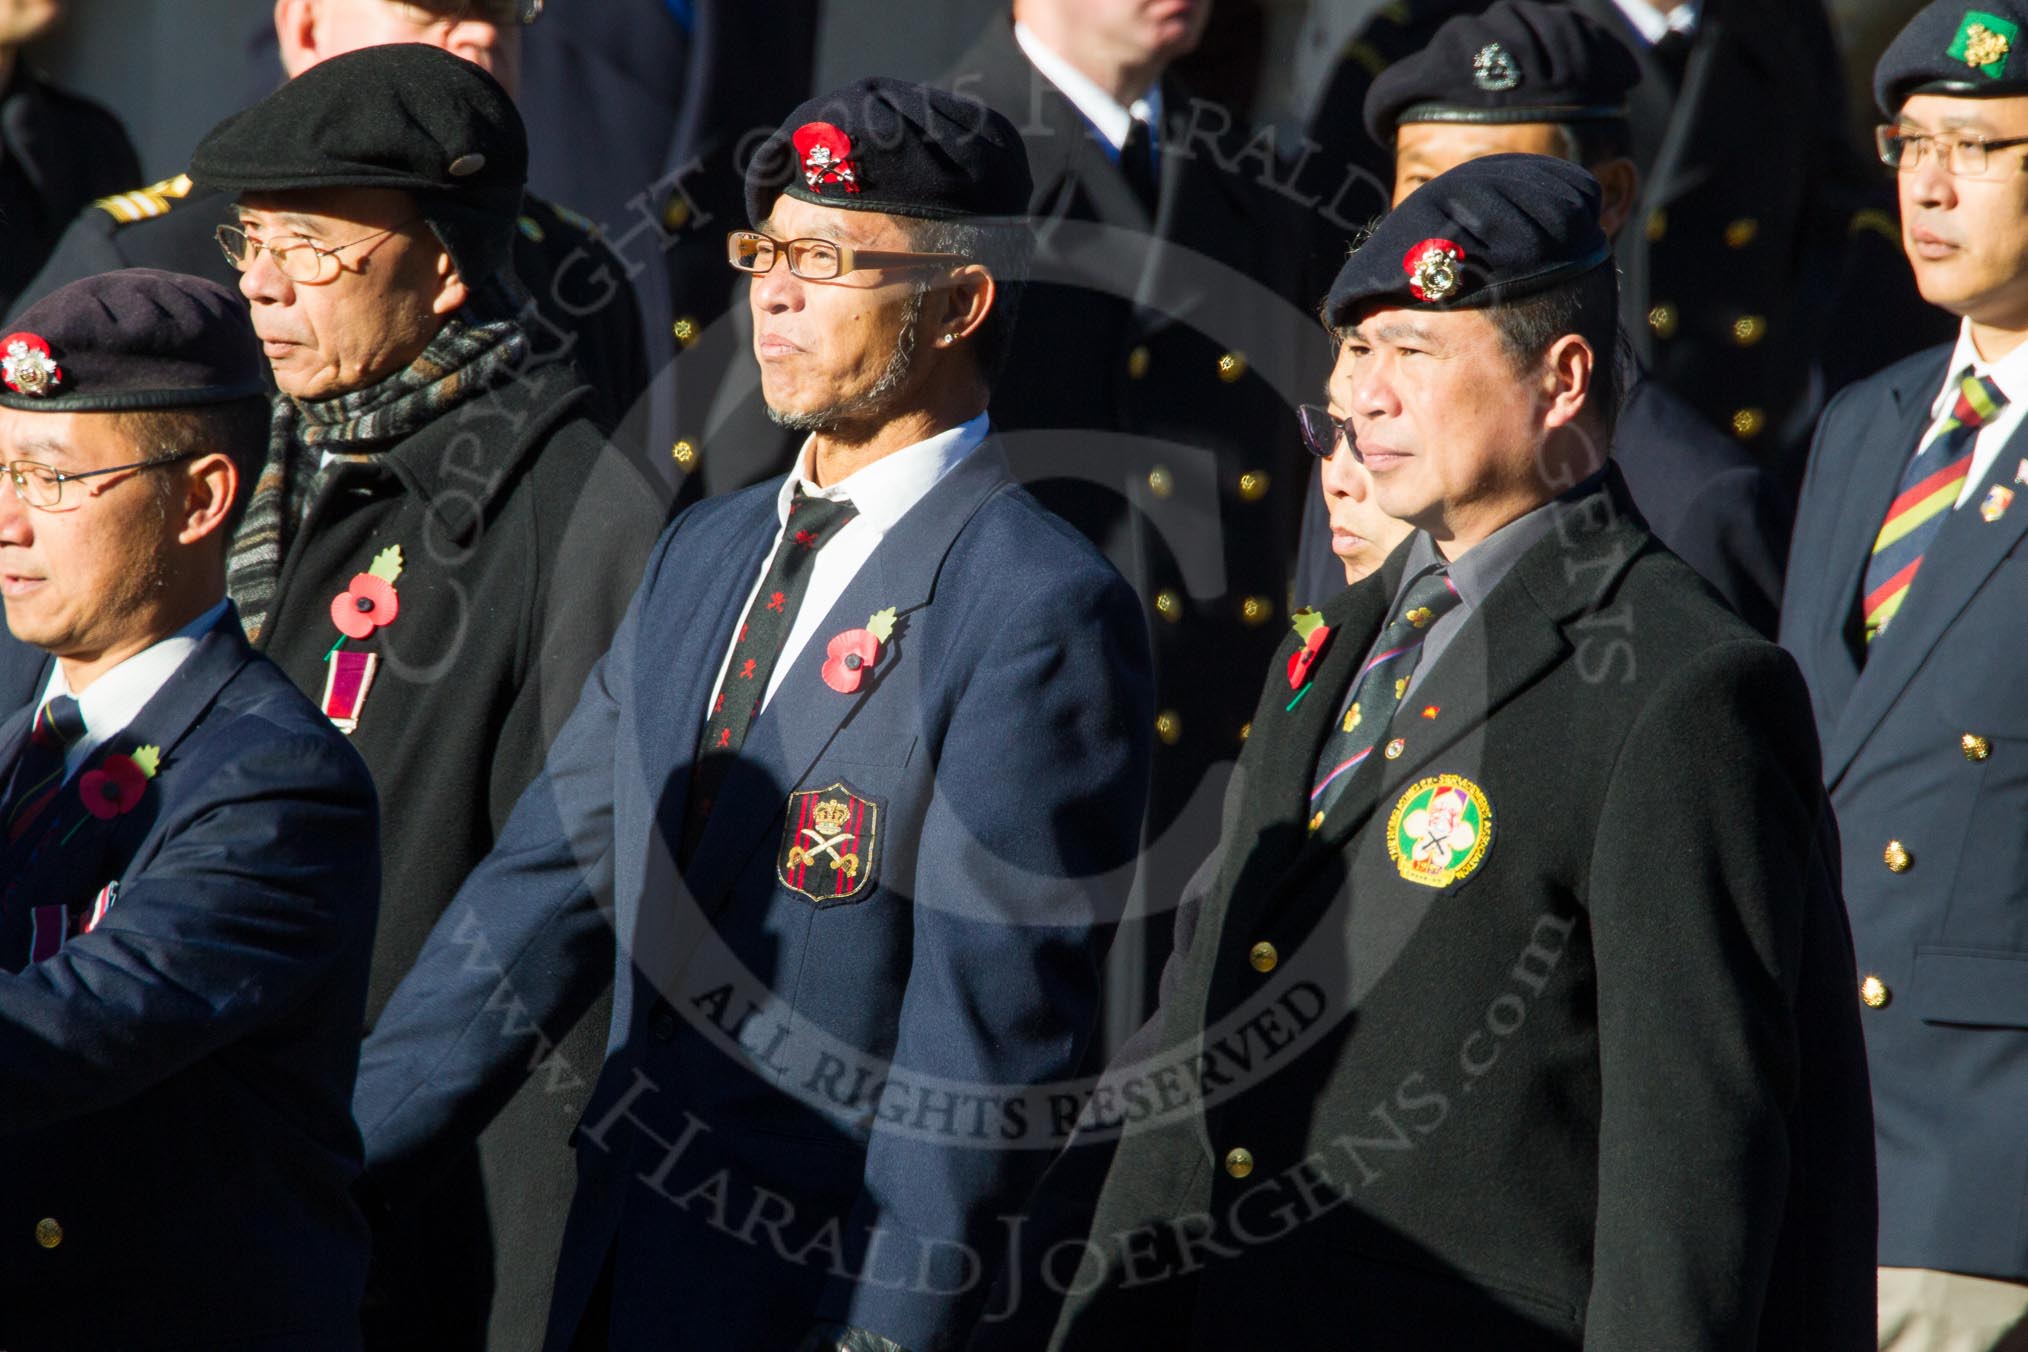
[(26, 366), (826, 157), (1432, 268)]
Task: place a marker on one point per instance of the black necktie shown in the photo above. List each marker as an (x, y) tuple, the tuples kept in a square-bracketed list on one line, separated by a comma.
[(38, 772), (757, 647), (1377, 691), (1137, 162)]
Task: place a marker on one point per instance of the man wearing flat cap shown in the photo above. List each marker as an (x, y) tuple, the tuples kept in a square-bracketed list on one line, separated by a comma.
[(188, 863), (1513, 1011), (437, 548), (1556, 83), (1906, 587), (582, 308), (860, 783)]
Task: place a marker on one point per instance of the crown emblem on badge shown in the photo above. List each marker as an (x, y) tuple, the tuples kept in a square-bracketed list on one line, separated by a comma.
[(829, 816), (1432, 268), (1493, 70), (26, 366), (826, 156)]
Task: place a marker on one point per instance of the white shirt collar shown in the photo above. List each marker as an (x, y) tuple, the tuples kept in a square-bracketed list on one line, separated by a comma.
[(2010, 373), (116, 699), (1101, 109), (1653, 25), (884, 490)]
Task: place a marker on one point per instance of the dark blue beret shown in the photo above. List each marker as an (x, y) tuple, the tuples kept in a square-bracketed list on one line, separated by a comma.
[(1970, 51), (1519, 61), (1492, 230), (131, 339), (896, 147), (401, 115)]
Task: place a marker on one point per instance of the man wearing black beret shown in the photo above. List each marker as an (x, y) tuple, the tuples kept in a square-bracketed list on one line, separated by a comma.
[(584, 308), (437, 549), (1531, 77), (188, 863), (861, 782), (1907, 586), (1514, 1010)]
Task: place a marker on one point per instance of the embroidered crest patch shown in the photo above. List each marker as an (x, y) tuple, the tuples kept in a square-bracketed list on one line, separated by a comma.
[(830, 843), (1440, 830)]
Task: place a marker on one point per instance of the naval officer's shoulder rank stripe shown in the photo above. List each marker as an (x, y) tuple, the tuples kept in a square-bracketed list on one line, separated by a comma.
[(145, 203)]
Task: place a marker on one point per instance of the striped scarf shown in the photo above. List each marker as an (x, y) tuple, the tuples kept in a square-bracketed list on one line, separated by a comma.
[(308, 437)]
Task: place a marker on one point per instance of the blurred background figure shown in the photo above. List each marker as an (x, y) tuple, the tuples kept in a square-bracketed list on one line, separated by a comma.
[(1149, 398), (1361, 536), (57, 151)]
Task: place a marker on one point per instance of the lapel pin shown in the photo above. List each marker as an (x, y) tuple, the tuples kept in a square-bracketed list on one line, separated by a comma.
[(1430, 711), (1315, 634), (1998, 498), (368, 603)]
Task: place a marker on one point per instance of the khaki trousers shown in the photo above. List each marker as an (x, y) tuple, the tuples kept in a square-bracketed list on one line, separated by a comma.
[(1925, 1311)]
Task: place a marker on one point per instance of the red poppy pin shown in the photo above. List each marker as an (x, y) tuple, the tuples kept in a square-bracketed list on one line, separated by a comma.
[(26, 366), (369, 602), (1432, 268), (850, 655), (1315, 634), (115, 787), (826, 156)]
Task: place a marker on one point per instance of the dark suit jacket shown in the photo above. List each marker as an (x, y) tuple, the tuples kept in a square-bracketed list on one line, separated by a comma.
[(57, 152), (1191, 335), (23, 672), (1604, 1089), (175, 1083), (999, 754), (1949, 936), (1702, 493)]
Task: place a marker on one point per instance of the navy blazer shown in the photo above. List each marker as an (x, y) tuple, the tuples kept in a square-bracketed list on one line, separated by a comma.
[(1701, 493), (1926, 744), (23, 671), (783, 1068), (174, 1083)]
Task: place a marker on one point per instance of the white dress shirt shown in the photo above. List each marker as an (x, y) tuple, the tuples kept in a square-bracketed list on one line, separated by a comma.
[(1112, 118), (1653, 25), (2010, 373), (117, 697), (883, 492)]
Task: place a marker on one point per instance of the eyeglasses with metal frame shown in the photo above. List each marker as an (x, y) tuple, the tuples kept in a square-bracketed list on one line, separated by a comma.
[(821, 260), (1961, 156), (41, 486), (300, 260)]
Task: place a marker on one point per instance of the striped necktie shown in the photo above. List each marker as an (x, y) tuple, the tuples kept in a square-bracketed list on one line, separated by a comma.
[(39, 772), (1378, 689), (1929, 490)]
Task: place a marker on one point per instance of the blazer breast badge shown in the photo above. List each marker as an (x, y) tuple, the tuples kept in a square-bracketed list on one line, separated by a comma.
[(830, 844), (1440, 830)]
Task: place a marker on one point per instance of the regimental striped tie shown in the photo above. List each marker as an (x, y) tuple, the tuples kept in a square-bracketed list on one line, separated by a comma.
[(38, 774), (1378, 689), (1929, 490)]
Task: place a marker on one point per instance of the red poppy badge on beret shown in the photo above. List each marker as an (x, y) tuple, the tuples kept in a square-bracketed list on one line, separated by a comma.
[(26, 366), (1432, 268), (826, 155)]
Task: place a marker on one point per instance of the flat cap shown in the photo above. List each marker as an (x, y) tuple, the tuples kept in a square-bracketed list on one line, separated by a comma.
[(137, 338), (895, 147), (1519, 61), (400, 115), (1957, 49), (1492, 230)]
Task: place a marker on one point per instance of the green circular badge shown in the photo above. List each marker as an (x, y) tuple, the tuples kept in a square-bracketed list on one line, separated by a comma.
[(1440, 830)]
